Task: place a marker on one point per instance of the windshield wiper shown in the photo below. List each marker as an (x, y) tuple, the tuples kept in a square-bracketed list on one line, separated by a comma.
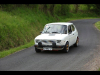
[(46, 32), (54, 32), (47, 29)]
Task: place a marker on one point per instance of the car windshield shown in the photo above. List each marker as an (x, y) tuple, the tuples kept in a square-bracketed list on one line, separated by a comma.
[(55, 28)]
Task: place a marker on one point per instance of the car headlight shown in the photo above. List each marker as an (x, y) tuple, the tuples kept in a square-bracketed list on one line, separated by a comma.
[(58, 41), (37, 41)]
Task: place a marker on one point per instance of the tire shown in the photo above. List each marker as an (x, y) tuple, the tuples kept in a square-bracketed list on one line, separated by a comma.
[(66, 48), (37, 50), (77, 42)]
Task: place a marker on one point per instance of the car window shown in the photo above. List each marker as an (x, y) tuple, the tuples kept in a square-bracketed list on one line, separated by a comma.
[(69, 29), (64, 29), (55, 28), (73, 28)]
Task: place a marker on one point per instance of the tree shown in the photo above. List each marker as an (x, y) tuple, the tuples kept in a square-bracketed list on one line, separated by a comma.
[(76, 7), (88, 6), (43, 7), (64, 9), (0, 7), (51, 9), (96, 8)]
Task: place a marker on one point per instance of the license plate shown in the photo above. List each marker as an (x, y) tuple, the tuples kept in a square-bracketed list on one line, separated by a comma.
[(47, 48)]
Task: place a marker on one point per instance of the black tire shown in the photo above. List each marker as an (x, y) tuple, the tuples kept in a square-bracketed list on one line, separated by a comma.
[(37, 50), (77, 42), (66, 48)]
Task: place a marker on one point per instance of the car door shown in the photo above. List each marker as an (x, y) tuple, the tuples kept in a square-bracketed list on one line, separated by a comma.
[(70, 35), (73, 33)]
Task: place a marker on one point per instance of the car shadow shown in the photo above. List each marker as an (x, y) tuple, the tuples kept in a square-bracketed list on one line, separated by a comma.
[(72, 49)]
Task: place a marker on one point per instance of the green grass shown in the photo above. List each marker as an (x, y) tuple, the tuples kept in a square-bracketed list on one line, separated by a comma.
[(98, 69), (97, 24), (13, 31)]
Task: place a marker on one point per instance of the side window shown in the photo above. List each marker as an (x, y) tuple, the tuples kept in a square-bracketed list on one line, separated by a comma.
[(69, 29), (73, 28), (63, 29)]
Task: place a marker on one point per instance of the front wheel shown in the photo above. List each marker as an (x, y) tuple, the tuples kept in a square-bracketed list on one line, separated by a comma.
[(37, 50), (66, 48)]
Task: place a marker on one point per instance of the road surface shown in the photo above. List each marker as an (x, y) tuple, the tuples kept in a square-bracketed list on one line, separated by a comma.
[(29, 60)]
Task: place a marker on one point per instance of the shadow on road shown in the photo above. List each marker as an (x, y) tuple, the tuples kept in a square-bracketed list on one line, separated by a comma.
[(72, 50)]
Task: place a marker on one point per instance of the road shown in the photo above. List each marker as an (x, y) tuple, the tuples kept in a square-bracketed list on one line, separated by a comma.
[(29, 60)]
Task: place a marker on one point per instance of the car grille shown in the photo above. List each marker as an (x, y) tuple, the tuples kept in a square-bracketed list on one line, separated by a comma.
[(47, 41)]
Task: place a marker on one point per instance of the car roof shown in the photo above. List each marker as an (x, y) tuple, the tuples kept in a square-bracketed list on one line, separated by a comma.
[(61, 23)]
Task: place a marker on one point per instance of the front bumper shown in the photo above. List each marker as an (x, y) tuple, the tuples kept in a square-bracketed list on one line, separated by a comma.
[(53, 47)]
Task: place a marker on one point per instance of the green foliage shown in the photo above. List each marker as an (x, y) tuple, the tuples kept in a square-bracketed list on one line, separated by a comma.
[(64, 9), (57, 9), (61, 9), (12, 31)]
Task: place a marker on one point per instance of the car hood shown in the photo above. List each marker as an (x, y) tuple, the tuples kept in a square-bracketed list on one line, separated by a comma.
[(51, 36)]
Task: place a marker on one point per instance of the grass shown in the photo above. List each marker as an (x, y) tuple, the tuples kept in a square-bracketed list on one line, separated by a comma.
[(99, 69), (12, 31), (97, 24)]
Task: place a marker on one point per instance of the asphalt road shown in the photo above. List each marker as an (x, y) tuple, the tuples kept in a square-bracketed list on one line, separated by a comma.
[(29, 60)]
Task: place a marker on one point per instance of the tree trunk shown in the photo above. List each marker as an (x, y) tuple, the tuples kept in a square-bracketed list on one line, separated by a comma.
[(76, 8), (44, 8), (51, 9), (0, 7)]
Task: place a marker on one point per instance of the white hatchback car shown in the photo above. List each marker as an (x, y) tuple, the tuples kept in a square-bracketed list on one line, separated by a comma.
[(57, 36)]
